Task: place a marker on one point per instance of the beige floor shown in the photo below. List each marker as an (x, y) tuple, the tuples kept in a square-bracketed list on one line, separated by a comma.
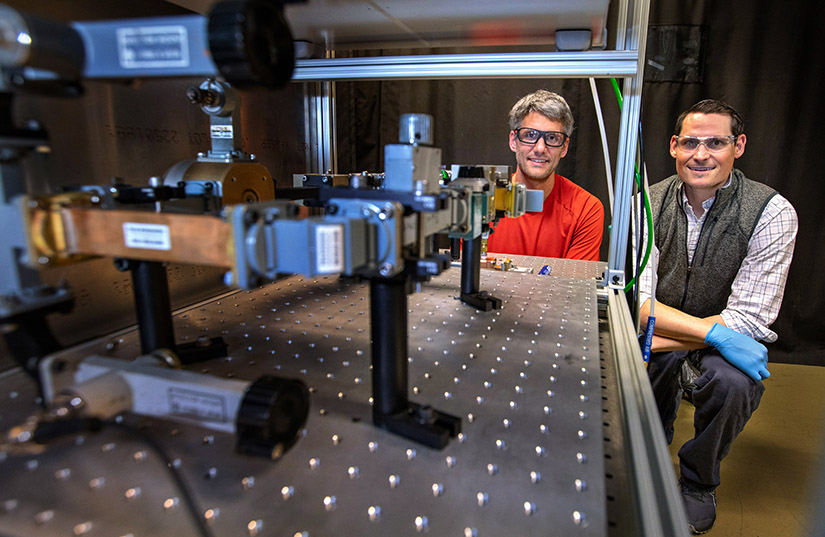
[(768, 478)]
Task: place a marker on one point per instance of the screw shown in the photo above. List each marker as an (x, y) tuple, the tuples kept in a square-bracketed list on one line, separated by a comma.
[(425, 414), (193, 94), (386, 212), (385, 269)]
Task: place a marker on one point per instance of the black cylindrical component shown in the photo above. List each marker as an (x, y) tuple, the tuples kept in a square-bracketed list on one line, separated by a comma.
[(455, 249), (153, 306), (28, 40), (388, 327), (272, 413), (470, 265), (251, 43)]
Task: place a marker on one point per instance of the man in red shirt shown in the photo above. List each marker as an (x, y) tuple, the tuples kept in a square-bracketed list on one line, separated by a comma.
[(571, 223)]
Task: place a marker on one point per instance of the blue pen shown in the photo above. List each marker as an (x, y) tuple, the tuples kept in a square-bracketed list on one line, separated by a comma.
[(651, 322)]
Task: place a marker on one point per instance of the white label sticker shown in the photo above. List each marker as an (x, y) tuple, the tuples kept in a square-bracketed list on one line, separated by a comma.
[(329, 241), (153, 46), (191, 403), (147, 236), (222, 132)]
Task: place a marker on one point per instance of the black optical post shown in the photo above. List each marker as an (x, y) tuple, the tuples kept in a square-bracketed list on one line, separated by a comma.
[(471, 277), (391, 409), (153, 308)]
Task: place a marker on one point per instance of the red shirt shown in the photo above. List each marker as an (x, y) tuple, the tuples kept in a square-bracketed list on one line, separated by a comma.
[(569, 226)]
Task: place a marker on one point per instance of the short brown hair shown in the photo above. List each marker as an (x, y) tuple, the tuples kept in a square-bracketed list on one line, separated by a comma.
[(547, 103), (713, 106)]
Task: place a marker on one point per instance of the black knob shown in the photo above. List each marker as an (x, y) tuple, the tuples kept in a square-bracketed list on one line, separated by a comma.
[(271, 416), (251, 43)]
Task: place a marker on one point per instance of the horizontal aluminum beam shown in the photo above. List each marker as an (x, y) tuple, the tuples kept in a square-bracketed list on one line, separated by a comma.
[(599, 64)]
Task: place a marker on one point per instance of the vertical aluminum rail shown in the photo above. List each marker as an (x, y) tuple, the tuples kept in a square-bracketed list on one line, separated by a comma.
[(660, 508), (319, 121), (628, 142)]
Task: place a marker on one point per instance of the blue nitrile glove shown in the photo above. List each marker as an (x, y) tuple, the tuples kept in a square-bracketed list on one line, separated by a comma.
[(740, 350)]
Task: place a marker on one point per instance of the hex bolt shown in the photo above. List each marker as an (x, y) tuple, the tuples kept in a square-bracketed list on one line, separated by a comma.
[(424, 414)]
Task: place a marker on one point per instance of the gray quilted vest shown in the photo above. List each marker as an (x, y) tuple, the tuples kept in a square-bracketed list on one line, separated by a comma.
[(703, 287)]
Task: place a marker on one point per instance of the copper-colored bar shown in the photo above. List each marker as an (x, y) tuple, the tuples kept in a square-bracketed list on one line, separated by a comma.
[(180, 238)]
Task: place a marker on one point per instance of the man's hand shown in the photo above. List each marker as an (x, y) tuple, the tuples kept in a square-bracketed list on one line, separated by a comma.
[(741, 351)]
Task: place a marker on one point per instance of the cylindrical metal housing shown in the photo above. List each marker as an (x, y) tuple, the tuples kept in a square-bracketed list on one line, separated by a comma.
[(416, 129)]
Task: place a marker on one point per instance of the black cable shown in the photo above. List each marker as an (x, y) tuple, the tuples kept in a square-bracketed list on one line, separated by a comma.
[(188, 501), (54, 429), (51, 430)]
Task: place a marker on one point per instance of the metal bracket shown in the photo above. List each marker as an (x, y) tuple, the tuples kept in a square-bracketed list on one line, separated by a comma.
[(423, 424), (614, 279)]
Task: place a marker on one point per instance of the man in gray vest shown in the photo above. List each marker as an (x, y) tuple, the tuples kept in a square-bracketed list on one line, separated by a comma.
[(723, 245)]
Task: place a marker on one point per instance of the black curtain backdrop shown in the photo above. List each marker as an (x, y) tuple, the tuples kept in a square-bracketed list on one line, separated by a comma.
[(764, 58)]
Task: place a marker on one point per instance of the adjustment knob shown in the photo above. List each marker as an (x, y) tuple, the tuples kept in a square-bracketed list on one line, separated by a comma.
[(251, 43), (272, 413)]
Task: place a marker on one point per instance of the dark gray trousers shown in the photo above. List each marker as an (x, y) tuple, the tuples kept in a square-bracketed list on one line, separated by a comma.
[(724, 398)]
